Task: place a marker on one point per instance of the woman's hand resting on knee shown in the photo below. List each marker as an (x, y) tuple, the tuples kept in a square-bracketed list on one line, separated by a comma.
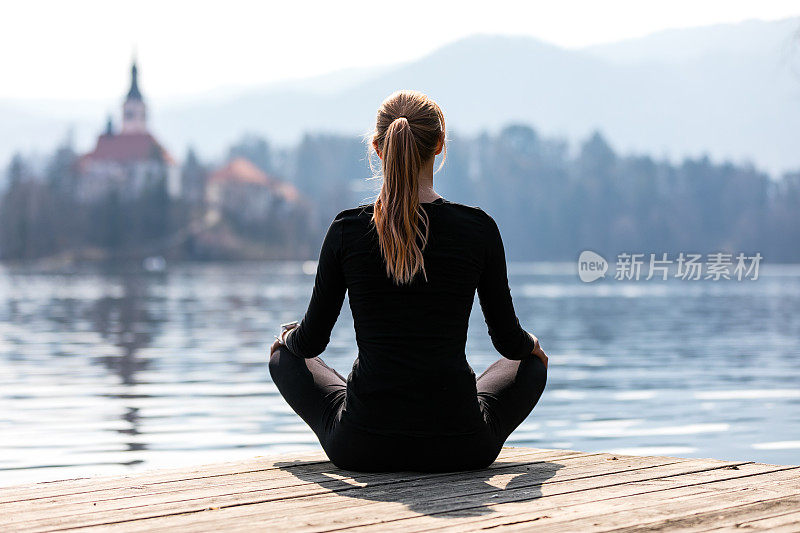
[(280, 339), (537, 350)]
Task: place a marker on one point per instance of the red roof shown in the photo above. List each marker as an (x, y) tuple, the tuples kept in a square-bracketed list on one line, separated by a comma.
[(241, 170), (127, 147)]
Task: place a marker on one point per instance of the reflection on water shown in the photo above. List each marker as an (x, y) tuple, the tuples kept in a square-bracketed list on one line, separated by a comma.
[(103, 372)]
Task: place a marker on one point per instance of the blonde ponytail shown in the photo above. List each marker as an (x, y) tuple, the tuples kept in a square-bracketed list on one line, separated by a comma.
[(408, 130)]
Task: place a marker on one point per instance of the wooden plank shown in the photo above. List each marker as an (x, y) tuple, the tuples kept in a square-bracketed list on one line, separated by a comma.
[(392, 503), (278, 497), (786, 522), (552, 489), (279, 475), (275, 484), (407, 512), (727, 517), (551, 504), (51, 489), (651, 510)]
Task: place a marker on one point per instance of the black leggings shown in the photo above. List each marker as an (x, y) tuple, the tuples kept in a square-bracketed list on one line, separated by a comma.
[(507, 392)]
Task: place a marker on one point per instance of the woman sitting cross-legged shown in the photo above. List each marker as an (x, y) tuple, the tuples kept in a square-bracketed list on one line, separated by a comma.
[(411, 263)]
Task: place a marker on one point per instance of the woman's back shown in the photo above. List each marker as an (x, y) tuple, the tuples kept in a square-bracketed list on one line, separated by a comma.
[(411, 374)]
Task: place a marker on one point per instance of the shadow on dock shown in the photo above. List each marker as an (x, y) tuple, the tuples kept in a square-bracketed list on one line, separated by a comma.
[(476, 490)]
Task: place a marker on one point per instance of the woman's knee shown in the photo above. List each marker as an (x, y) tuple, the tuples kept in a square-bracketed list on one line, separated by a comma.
[(279, 360), (538, 373)]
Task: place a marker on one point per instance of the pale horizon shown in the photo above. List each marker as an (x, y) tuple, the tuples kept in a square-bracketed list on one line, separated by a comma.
[(246, 35)]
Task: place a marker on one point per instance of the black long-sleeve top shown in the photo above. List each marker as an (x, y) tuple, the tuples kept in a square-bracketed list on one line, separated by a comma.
[(411, 375)]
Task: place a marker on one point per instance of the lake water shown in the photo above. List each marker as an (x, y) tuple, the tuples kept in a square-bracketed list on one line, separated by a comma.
[(111, 371)]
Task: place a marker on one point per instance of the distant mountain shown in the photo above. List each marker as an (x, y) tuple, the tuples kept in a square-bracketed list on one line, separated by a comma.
[(732, 91), (773, 41), (738, 90)]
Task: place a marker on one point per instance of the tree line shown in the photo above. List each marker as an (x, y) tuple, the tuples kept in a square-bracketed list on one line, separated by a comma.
[(551, 202)]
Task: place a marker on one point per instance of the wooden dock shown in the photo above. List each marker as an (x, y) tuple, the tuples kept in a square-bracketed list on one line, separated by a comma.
[(547, 490)]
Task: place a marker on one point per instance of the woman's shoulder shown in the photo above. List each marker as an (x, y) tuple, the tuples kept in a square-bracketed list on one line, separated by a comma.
[(356, 219), (467, 210), (469, 216), (359, 213)]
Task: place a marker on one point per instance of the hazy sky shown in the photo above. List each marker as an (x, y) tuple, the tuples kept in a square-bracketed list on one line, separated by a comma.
[(80, 49)]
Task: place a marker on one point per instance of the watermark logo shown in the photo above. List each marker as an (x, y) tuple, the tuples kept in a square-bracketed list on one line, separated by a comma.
[(685, 266), (591, 266)]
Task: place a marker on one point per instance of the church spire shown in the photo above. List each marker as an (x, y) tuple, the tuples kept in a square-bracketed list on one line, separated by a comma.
[(133, 93), (134, 111)]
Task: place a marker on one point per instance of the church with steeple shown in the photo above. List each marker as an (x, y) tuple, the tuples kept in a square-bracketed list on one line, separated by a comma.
[(130, 160)]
